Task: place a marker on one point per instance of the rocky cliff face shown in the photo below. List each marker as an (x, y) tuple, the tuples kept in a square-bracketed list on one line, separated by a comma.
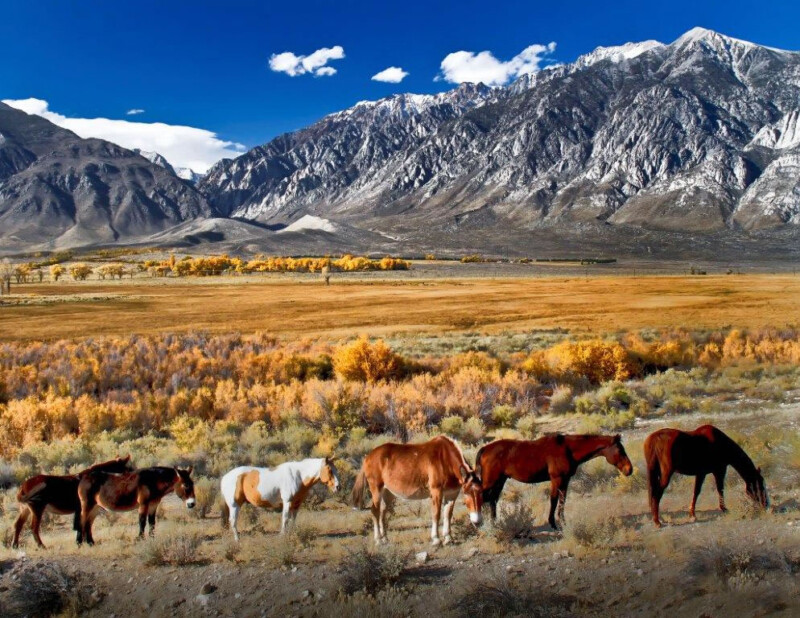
[(696, 136), (57, 189)]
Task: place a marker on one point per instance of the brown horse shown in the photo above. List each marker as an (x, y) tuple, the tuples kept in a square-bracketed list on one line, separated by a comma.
[(142, 489), (554, 457), (698, 453), (57, 494), (435, 469)]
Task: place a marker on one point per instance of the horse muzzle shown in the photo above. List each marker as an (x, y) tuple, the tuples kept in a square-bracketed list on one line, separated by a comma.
[(190, 503), (476, 518)]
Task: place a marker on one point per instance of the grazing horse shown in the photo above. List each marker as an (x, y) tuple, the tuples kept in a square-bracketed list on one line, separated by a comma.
[(57, 494), (435, 469), (142, 489), (698, 453), (288, 484), (553, 457)]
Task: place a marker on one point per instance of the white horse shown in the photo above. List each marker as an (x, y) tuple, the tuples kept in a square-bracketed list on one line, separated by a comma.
[(288, 484)]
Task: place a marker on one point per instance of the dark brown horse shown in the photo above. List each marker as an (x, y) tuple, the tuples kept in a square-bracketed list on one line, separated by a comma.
[(698, 453), (142, 489), (554, 457), (57, 494)]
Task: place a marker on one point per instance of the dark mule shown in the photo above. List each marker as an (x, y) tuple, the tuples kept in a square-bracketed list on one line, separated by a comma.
[(142, 489), (57, 494), (554, 457), (698, 453)]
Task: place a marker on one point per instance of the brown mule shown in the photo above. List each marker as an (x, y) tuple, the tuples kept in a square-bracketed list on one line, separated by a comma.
[(555, 458), (435, 469), (142, 489), (698, 453), (57, 494)]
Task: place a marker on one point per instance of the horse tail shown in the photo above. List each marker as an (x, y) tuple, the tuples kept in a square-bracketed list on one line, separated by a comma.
[(26, 494), (653, 464), (359, 489)]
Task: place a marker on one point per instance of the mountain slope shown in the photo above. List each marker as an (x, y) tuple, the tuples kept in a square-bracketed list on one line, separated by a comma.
[(57, 189), (661, 137)]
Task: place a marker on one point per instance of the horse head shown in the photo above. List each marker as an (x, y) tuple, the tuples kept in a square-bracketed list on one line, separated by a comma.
[(472, 486), (329, 475), (756, 489), (184, 486), (615, 455)]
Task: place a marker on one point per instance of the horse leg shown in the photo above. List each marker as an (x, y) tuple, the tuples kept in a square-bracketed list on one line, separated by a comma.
[(233, 517), (698, 486), (436, 510), (285, 517), (24, 513), (658, 479), (719, 478), (555, 496), (562, 500), (87, 519), (387, 500), (492, 495), (448, 515), (76, 526), (151, 517), (142, 519), (36, 521)]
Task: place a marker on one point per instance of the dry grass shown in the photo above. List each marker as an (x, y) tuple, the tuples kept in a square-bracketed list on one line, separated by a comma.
[(599, 305)]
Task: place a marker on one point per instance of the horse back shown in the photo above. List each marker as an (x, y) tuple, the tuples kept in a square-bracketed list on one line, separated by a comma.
[(60, 492), (685, 452), (414, 466), (527, 461)]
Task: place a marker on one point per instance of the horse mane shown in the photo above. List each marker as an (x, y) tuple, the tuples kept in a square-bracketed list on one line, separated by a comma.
[(463, 460), (739, 459)]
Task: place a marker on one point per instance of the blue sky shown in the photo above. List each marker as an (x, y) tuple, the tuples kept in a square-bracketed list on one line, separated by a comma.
[(207, 64)]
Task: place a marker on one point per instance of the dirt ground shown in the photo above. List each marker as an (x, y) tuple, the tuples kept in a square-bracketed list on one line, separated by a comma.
[(609, 561)]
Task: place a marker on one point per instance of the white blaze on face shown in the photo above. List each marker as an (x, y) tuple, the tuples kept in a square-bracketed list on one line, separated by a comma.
[(475, 518)]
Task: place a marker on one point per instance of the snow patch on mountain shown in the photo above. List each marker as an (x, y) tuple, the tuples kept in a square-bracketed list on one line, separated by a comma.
[(782, 135), (617, 53), (310, 222)]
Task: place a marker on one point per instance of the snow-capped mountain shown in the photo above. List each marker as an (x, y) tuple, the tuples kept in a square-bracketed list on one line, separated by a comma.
[(184, 173), (696, 135)]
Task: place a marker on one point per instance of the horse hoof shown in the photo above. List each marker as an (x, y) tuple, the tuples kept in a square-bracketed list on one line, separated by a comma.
[(448, 539), (435, 542)]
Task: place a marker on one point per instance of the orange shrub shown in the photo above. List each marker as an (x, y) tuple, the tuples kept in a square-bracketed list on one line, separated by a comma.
[(367, 362)]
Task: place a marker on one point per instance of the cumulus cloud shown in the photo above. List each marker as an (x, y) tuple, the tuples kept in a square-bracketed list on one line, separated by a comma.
[(392, 75), (135, 111), (465, 66), (314, 63), (182, 146)]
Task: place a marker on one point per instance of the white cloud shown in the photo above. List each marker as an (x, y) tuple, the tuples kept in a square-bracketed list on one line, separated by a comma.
[(392, 75), (182, 146), (464, 66), (315, 63), (134, 111)]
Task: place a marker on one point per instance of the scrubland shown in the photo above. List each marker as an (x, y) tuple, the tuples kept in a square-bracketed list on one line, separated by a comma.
[(513, 358)]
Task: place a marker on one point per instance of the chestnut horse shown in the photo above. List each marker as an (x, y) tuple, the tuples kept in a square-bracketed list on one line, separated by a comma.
[(553, 457), (435, 469), (57, 494), (142, 489), (288, 485), (698, 453)]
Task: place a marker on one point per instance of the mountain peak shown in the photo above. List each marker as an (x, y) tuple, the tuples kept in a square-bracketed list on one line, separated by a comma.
[(712, 37)]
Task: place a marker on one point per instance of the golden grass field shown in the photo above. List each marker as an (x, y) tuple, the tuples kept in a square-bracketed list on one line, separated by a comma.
[(301, 306)]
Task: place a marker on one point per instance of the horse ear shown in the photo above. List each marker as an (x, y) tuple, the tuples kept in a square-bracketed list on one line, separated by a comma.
[(758, 470), (189, 469), (618, 438)]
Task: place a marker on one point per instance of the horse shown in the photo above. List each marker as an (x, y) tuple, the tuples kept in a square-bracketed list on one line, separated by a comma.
[(288, 485), (57, 494), (698, 453), (435, 469), (142, 489), (553, 457)]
